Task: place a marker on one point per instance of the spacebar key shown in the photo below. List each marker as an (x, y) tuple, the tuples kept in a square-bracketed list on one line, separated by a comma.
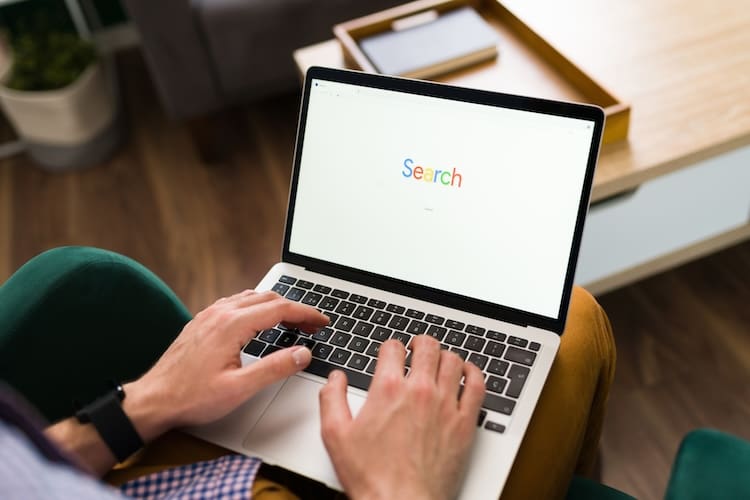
[(323, 368), (498, 404)]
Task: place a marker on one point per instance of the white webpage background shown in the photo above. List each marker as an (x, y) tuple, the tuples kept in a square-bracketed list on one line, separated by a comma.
[(503, 237)]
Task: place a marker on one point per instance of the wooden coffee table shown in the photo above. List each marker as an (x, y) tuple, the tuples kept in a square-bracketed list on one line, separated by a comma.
[(679, 187)]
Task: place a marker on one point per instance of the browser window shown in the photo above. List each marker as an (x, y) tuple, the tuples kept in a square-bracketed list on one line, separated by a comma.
[(472, 199)]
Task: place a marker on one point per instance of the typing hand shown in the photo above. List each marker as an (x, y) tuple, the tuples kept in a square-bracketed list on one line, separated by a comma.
[(412, 436), (200, 377)]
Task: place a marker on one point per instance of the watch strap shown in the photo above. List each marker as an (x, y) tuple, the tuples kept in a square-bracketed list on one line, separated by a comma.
[(113, 425)]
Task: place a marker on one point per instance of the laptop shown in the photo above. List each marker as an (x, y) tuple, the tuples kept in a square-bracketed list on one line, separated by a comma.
[(417, 208)]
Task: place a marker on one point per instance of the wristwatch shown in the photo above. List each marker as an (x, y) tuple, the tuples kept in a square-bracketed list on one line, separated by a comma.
[(112, 424)]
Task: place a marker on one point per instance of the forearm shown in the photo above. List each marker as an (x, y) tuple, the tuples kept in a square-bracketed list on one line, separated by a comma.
[(142, 405)]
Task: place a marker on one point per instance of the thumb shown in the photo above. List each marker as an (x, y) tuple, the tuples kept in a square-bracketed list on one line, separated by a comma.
[(274, 367), (334, 408)]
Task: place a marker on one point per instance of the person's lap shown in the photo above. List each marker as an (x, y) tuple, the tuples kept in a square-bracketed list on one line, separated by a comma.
[(562, 438)]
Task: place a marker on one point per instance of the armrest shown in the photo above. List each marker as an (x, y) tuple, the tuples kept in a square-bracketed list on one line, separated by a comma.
[(178, 60)]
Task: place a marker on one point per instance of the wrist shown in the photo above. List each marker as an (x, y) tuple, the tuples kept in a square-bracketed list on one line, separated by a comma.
[(147, 410)]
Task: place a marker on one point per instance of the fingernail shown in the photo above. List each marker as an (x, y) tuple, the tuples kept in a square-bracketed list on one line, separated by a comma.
[(301, 356)]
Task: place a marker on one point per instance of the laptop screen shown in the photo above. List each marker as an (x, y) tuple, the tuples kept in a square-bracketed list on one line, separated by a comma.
[(473, 199)]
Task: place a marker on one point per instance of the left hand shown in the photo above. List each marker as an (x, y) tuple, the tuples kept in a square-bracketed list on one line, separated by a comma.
[(200, 377)]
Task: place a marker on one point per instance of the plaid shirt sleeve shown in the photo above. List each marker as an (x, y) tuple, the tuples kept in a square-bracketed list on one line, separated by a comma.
[(227, 477)]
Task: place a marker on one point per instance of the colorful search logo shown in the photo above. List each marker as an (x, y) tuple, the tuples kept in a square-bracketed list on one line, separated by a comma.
[(435, 176)]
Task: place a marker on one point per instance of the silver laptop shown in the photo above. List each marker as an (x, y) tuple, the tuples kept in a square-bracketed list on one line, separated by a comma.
[(419, 208)]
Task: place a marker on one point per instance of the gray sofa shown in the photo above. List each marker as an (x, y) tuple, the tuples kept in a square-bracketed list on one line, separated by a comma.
[(207, 54)]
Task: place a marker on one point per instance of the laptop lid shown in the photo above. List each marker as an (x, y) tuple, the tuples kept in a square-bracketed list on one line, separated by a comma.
[(470, 199)]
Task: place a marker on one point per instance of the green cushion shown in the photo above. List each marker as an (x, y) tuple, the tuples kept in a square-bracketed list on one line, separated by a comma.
[(710, 465), (74, 317), (585, 489)]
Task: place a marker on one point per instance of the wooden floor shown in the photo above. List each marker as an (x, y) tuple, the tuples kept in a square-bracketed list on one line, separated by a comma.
[(683, 337)]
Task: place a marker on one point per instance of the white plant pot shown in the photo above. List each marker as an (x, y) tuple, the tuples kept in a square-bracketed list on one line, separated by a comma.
[(72, 127)]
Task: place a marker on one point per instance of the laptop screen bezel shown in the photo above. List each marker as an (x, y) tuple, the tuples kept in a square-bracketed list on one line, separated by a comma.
[(445, 298)]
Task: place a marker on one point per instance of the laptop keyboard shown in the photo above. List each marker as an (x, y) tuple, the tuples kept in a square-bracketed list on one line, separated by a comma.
[(359, 325)]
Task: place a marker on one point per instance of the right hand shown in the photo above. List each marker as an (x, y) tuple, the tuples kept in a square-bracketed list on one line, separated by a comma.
[(412, 437)]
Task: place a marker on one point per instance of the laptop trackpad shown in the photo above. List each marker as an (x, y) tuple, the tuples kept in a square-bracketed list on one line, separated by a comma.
[(288, 433)]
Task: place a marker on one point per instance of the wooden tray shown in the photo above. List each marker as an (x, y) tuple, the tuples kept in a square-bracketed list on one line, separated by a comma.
[(527, 64)]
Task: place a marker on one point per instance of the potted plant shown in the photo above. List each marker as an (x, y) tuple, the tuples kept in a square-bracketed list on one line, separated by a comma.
[(61, 100)]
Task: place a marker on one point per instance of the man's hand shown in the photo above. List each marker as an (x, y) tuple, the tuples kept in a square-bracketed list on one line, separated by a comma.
[(412, 437), (200, 377)]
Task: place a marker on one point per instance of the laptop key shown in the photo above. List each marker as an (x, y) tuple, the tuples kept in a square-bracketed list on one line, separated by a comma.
[(288, 280), (474, 343), (416, 327), (305, 284), (493, 335), (269, 335), (494, 427), (346, 308), (436, 332), (412, 313), (494, 349), (340, 294), (455, 325), (309, 343), (340, 356), (358, 344), (377, 304), (404, 338), (358, 362), (374, 349), (340, 339), (270, 350), (535, 346), (328, 303), (478, 359), (359, 299), (496, 384), (345, 324), (381, 334), (480, 419), (431, 318), (332, 318), (371, 367), (475, 330), (498, 367), (395, 309), (323, 368), (325, 290), (323, 334), (363, 313), (517, 375), (380, 317), (280, 288), (455, 338), (498, 403), (518, 342), (398, 323), (295, 294), (311, 298), (286, 339), (520, 356), (461, 352), (363, 329), (254, 347), (322, 351)]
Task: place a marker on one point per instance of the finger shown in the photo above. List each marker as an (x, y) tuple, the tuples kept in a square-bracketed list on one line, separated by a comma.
[(473, 393), (391, 357), (425, 357), (234, 297), (269, 313), (335, 414), (449, 375), (274, 367), (242, 300)]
